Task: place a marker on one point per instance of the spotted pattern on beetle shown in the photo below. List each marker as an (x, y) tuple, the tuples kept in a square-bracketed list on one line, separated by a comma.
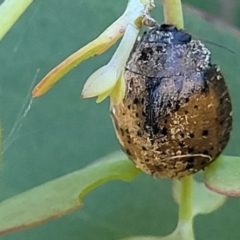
[(176, 116)]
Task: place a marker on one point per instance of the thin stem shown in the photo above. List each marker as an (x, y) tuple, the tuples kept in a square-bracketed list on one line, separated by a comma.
[(185, 209), (0, 145), (173, 13), (10, 11)]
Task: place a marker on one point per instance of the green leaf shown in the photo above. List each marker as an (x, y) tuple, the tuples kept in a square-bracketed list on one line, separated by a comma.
[(145, 238), (204, 200), (63, 132), (177, 234), (61, 196), (173, 236), (223, 176)]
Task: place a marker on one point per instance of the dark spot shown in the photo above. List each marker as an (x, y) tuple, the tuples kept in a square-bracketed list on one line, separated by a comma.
[(152, 141), (127, 131), (222, 121), (139, 133), (137, 115), (159, 48), (129, 141), (177, 107), (186, 112), (147, 160), (190, 150), (205, 133), (129, 106), (144, 56), (212, 148), (191, 135), (191, 160), (203, 162), (144, 148), (205, 152), (187, 100), (221, 100), (164, 131), (142, 101), (169, 104), (190, 163), (182, 135), (136, 101), (182, 37), (196, 106), (181, 144), (122, 131), (165, 121), (143, 113), (128, 152)]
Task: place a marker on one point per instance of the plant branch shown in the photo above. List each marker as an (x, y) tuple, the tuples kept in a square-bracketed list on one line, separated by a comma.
[(10, 11), (185, 209), (173, 13)]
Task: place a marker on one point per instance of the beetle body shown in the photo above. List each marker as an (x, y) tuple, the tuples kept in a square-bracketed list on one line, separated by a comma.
[(175, 118)]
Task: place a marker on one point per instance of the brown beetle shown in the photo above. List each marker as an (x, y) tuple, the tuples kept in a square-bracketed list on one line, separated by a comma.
[(176, 116)]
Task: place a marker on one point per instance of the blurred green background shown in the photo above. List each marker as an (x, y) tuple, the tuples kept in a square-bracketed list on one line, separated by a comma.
[(62, 133)]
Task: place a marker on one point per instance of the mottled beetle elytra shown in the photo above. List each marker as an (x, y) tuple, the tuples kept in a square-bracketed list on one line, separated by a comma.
[(176, 116)]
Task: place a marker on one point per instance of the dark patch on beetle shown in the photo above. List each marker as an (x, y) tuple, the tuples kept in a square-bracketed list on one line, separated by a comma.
[(139, 133), (122, 131), (190, 163), (136, 101), (181, 144), (190, 150), (191, 135), (174, 98), (205, 152), (128, 152), (205, 133)]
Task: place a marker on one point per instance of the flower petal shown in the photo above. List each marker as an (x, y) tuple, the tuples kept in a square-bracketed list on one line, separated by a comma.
[(102, 96), (100, 82), (134, 9), (97, 46), (118, 92), (107, 76)]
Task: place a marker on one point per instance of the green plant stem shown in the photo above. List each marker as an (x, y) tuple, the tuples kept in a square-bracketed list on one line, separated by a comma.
[(185, 212), (185, 209), (173, 13), (0, 145), (10, 11)]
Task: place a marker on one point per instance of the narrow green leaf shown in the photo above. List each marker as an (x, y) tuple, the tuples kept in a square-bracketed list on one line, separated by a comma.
[(223, 176), (62, 195)]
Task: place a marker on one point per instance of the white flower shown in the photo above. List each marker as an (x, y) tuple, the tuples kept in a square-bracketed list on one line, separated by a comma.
[(109, 79), (104, 81)]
